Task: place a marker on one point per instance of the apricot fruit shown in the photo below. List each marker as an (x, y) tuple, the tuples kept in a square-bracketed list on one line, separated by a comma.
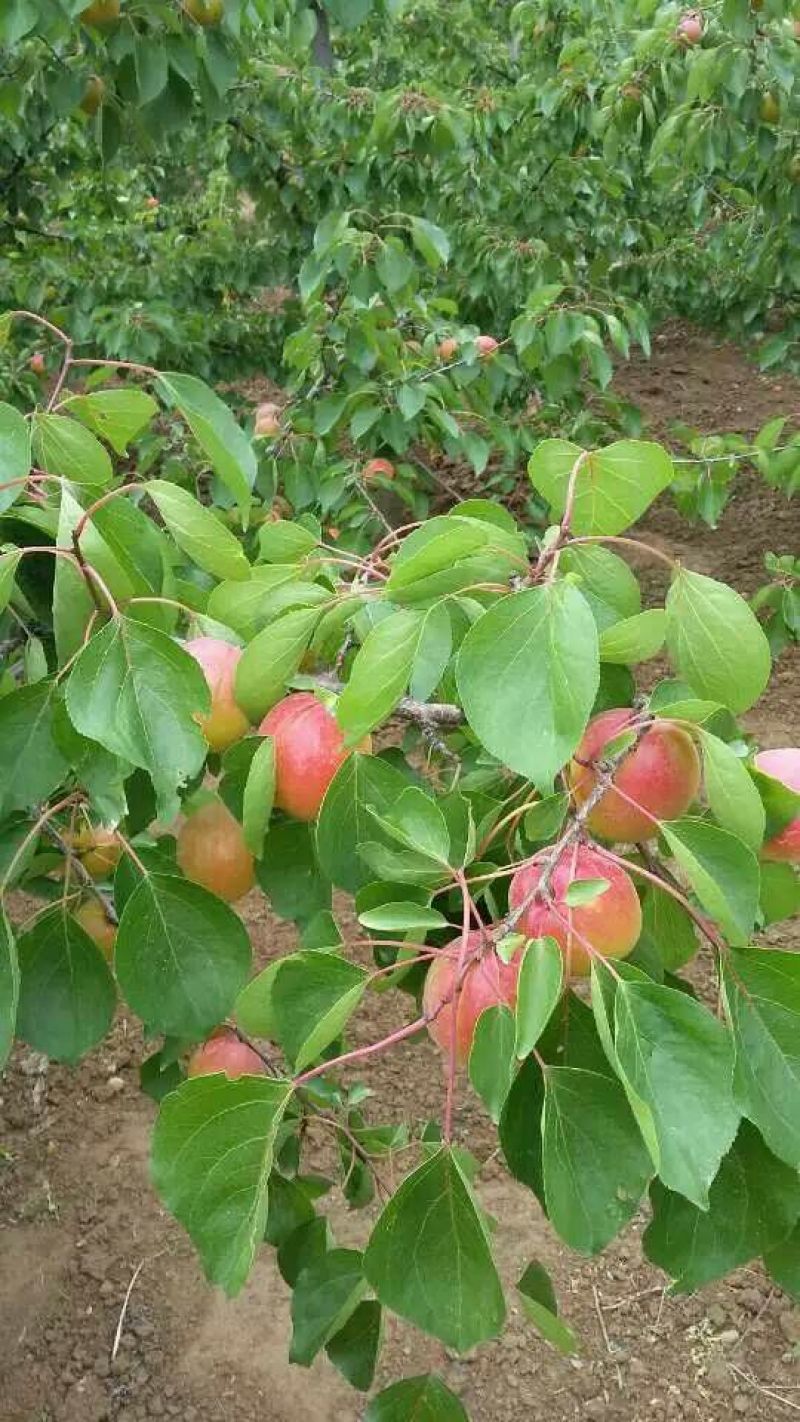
[(487, 982), (212, 852), (782, 765), (309, 748), (100, 13), (608, 925), (376, 468), (267, 421), (448, 348), (690, 28), (224, 1051), (205, 12), (485, 345), (93, 920), (93, 94), (226, 722), (99, 850), (662, 777)]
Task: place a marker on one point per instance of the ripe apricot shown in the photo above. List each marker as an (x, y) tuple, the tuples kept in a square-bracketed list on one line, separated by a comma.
[(267, 420), (309, 748), (37, 364), (690, 28), (224, 1051), (609, 924), (448, 348), (783, 765), (487, 982), (211, 851), (378, 467), (92, 918), (485, 345), (662, 776), (226, 721)]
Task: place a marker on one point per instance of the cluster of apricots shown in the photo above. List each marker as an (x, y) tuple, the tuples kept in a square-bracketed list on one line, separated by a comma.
[(658, 780)]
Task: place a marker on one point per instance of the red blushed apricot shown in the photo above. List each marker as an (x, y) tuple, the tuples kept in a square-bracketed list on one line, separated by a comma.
[(309, 748), (783, 765), (378, 467), (485, 345), (609, 924), (92, 919), (662, 776), (223, 1051), (487, 982), (226, 722), (211, 851)]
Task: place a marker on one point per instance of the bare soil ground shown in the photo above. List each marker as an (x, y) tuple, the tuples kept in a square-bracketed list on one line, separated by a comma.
[(78, 1218)]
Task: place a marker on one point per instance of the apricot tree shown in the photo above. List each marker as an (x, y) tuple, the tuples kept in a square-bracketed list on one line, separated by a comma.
[(560, 876)]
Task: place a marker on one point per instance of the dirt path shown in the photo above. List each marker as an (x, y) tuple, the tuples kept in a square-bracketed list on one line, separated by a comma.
[(78, 1217)]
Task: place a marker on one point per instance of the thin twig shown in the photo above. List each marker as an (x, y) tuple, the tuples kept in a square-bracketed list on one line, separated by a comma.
[(427, 713), (121, 1320)]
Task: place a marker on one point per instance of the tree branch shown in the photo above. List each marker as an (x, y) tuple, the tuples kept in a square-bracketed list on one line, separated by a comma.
[(427, 714)]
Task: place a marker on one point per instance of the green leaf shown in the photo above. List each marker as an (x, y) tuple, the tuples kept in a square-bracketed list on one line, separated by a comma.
[(246, 607), (65, 447), (596, 1166), (431, 242), (677, 1058), (354, 1349), (539, 1303), (417, 822), (541, 979), (9, 987), (614, 485), (118, 416), (289, 872), (432, 652), (715, 641), (379, 675), (722, 871), (544, 820), (325, 1296), (270, 661), (8, 568), (520, 1127), (31, 763), (402, 918), (285, 542), (198, 533), (211, 1160), (528, 673), (753, 1205), (215, 430), (783, 1264), (422, 1399), (313, 996), (450, 553), (606, 581), (253, 1009), (780, 892), (585, 891), (73, 605), (762, 1001), (344, 819), (181, 956), (429, 1258), (636, 639), (259, 794), (491, 1058), (136, 692), (667, 929), (731, 792), (15, 453), (66, 992)]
